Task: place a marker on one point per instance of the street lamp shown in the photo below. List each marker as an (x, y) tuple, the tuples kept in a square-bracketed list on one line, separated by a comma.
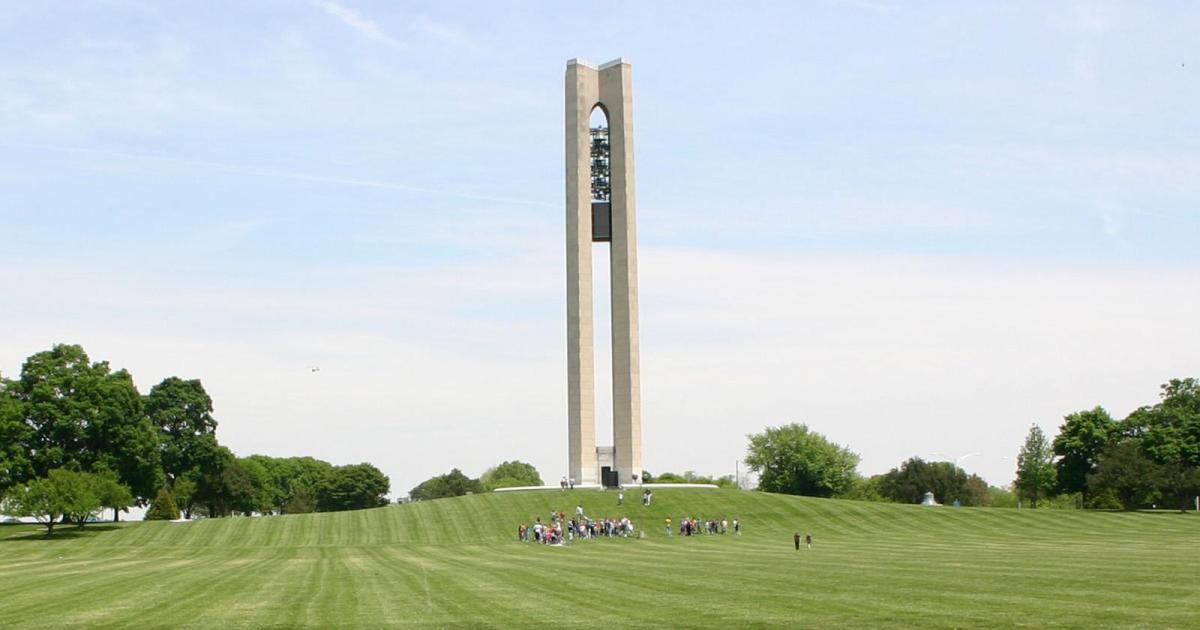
[(956, 462)]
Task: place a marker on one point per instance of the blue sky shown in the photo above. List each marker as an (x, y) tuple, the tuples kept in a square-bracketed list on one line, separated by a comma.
[(917, 229)]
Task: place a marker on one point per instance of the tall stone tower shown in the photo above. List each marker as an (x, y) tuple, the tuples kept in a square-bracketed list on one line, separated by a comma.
[(601, 208)]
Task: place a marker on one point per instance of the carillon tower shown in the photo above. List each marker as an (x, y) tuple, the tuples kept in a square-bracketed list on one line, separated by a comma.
[(601, 209)]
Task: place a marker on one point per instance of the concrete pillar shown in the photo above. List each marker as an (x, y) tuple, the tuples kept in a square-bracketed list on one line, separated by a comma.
[(582, 92)]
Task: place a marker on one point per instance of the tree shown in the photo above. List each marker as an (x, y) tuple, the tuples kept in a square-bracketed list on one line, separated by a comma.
[(113, 494), (15, 435), (302, 502), (512, 474), (670, 477), (352, 488), (291, 482), (80, 492), (690, 476), (243, 487), (793, 460), (1124, 470), (212, 490), (452, 484), (305, 475), (1171, 437), (163, 508), (866, 489), (182, 413), (124, 441), (913, 478), (39, 499), (60, 496), (1081, 439), (1035, 467), (977, 492), (83, 416), (184, 494), (1002, 497)]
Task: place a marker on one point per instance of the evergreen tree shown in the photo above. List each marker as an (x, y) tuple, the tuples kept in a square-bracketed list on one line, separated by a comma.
[(163, 508), (1035, 467)]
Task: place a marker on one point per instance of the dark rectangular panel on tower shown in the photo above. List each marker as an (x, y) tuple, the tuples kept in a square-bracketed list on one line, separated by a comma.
[(601, 222)]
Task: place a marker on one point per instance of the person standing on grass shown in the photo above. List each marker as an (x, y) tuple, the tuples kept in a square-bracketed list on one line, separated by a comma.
[(737, 527), (621, 497), (797, 539), (668, 527), (808, 540)]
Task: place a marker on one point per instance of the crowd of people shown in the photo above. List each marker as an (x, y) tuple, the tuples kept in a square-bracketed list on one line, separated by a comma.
[(695, 527), (559, 530)]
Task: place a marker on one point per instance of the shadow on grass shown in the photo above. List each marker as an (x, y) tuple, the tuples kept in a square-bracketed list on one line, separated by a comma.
[(26, 532)]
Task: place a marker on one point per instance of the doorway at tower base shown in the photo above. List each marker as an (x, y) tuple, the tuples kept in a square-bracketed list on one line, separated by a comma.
[(607, 472)]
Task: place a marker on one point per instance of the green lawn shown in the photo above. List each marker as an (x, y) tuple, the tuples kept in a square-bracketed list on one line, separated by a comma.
[(457, 562)]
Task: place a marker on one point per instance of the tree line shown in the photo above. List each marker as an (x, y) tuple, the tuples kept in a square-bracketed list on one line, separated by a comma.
[(793, 459), (509, 474), (1150, 458), (76, 434)]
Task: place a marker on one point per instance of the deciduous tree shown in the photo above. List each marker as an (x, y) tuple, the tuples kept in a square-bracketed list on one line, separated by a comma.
[(84, 416), (15, 435), (60, 496), (113, 494), (182, 413), (287, 478), (1124, 469), (452, 484), (794, 460), (184, 493), (1171, 437), (352, 488), (1081, 439), (913, 478), (512, 474)]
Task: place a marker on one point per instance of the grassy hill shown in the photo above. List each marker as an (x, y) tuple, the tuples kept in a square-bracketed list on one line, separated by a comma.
[(456, 561)]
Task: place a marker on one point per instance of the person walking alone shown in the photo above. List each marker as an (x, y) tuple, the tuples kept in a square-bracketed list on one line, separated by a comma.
[(796, 538)]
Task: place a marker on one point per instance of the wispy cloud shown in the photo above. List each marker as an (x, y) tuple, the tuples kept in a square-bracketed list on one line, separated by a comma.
[(307, 177), (356, 21), (448, 34)]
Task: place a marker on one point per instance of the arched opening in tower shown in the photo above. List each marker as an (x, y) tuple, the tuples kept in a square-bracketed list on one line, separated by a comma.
[(602, 277), (601, 172)]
